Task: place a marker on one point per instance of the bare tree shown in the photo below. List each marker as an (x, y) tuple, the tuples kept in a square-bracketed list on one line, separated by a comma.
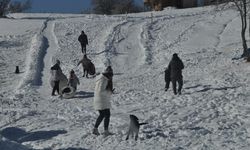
[(242, 7), (17, 6), (4, 4), (115, 6), (126, 6), (103, 6)]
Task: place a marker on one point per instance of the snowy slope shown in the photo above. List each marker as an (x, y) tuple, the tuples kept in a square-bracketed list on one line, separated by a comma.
[(211, 113)]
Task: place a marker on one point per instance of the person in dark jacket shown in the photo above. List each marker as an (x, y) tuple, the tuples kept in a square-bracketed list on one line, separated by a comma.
[(55, 76), (83, 39), (86, 65), (175, 67)]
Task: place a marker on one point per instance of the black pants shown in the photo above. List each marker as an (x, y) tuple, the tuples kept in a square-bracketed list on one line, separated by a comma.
[(85, 71), (167, 83), (56, 87), (83, 48), (180, 84), (167, 78), (103, 114)]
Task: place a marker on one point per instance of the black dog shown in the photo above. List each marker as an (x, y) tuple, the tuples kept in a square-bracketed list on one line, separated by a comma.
[(134, 126)]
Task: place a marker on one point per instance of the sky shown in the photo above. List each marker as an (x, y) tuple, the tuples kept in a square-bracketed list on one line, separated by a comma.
[(62, 6)]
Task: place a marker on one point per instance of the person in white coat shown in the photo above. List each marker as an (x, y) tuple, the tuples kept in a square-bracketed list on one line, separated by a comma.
[(73, 80), (102, 97)]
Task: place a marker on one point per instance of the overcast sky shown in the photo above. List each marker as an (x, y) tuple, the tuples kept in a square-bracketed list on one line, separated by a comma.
[(62, 6)]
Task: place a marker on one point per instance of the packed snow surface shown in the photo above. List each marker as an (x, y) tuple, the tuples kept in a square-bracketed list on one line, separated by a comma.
[(213, 112)]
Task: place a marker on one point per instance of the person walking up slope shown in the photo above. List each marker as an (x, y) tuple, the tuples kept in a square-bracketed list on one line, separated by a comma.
[(102, 97), (87, 65), (83, 39), (175, 67)]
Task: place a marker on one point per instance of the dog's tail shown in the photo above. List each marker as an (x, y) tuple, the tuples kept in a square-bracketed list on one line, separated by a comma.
[(143, 123)]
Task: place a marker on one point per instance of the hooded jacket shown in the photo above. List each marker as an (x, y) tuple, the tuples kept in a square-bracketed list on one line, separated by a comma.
[(86, 63), (102, 94), (83, 39), (175, 67)]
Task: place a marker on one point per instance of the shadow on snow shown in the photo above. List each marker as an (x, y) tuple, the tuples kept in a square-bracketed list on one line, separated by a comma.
[(82, 94), (205, 88), (19, 135)]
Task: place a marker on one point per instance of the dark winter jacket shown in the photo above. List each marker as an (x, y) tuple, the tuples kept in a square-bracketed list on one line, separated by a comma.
[(108, 72), (86, 63), (83, 39), (175, 66)]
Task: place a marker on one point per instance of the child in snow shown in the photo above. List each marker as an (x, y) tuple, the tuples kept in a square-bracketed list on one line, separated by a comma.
[(73, 80)]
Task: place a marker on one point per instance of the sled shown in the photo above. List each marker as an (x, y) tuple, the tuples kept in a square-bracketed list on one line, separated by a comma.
[(68, 92)]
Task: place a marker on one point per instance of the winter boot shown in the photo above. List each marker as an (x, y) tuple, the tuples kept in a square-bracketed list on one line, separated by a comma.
[(95, 131), (107, 133)]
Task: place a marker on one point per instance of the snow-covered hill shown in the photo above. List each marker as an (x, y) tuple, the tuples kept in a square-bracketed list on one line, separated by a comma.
[(212, 112)]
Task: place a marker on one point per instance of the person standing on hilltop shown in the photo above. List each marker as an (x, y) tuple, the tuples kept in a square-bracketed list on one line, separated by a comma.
[(83, 39)]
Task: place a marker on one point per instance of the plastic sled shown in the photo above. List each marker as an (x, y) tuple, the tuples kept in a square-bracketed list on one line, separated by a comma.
[(68, 92)]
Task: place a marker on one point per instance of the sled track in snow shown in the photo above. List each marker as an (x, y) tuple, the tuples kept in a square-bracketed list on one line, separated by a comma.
[(40, 63), (222, 31), (147, 36), (181, 36), (42, 52), (110, 43), (34, 62)]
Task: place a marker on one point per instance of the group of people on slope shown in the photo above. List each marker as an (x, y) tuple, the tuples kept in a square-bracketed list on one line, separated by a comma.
[(104, 83), (57, 76), (73, 81), (104, 89)]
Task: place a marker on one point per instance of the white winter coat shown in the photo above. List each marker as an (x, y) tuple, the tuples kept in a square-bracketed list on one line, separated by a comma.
[(102, 96)]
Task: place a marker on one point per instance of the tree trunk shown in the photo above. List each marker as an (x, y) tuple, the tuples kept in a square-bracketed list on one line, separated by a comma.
[(244, 44), (243, 16)]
